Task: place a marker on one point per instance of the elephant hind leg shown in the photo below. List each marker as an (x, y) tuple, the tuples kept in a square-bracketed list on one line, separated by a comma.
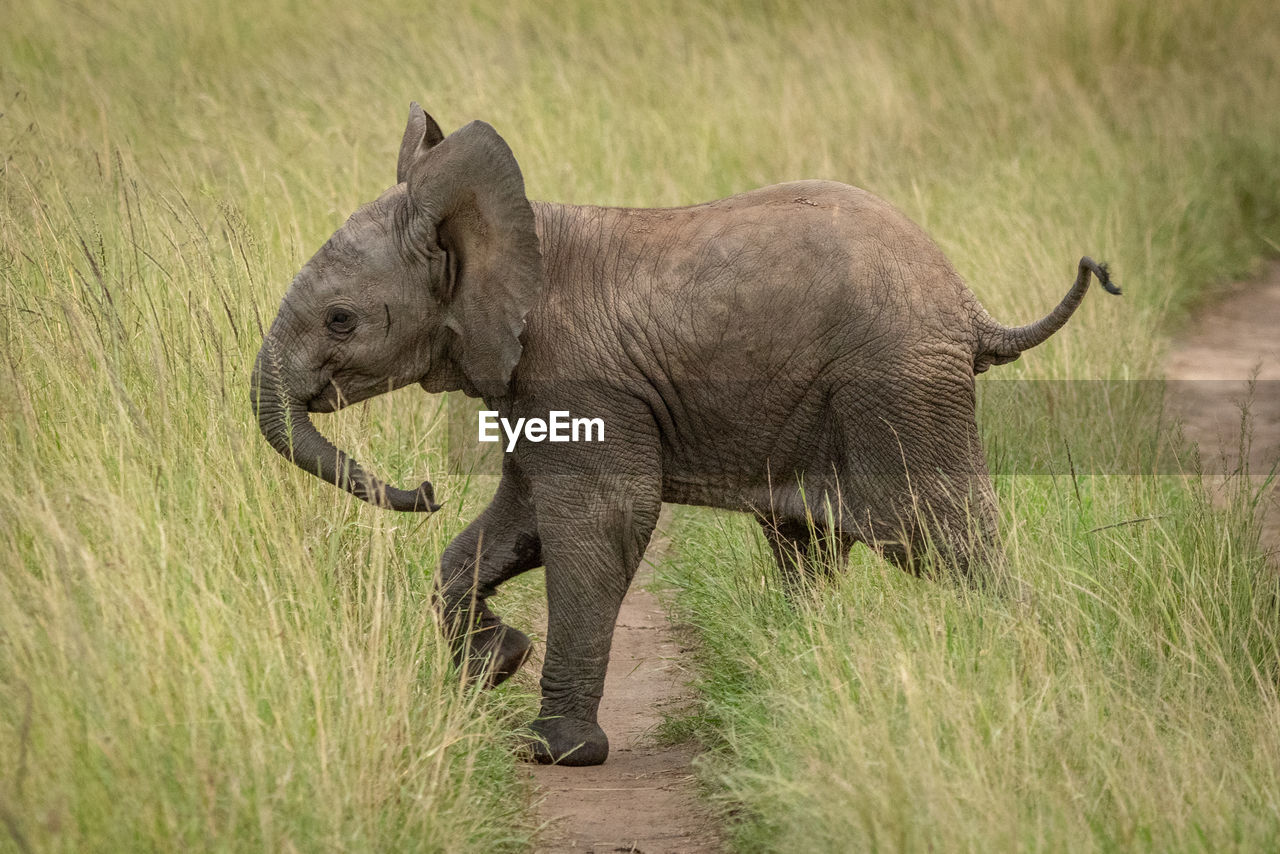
[(804, 549), (946, 534)]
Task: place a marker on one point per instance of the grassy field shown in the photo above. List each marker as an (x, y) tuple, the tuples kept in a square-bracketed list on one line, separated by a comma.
[(201, 648), (1132, 703)]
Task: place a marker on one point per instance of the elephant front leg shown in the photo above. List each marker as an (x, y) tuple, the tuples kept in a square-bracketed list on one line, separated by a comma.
[(591, 560), (501, 543)]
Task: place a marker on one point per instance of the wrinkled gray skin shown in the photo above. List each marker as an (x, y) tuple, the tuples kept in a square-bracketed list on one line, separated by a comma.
[(801, 352)]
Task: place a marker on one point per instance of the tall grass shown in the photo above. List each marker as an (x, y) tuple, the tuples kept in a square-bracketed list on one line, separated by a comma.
[(1132, 705), (200, 647)]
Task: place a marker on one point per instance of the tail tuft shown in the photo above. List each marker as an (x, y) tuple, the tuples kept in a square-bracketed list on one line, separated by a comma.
[(1104, 279)]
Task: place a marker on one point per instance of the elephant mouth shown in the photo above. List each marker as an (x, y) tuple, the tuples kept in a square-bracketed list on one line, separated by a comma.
[(330, 399), (358, 388)]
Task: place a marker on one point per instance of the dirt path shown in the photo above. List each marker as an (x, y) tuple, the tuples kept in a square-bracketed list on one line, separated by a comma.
[(1210, 367), (643, 799)]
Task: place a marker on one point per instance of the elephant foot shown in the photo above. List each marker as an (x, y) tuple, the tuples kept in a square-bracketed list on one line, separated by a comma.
[(565, 741), (494, 653)]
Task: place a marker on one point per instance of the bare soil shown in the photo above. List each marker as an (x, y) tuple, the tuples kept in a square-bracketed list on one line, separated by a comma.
[(1228, 358), (644, 798)]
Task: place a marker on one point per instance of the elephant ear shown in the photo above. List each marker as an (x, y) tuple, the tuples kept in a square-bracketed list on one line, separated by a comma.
[(468, 199), (421, 132)]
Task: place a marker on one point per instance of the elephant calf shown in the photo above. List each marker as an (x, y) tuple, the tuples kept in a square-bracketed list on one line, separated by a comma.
[(802, 352)]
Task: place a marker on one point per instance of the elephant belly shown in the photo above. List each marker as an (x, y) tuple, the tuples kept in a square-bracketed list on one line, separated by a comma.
[(784, 499), (825, 458), (754, 473)]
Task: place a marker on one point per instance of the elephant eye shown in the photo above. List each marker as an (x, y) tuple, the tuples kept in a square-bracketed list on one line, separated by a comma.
[(340, 320)]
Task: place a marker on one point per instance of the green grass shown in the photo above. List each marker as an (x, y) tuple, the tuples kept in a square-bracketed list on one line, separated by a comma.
[(1131, 706), (198, 648), (203, 648)]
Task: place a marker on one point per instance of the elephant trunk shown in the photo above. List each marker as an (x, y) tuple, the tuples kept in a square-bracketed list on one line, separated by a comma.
[(286, 424)]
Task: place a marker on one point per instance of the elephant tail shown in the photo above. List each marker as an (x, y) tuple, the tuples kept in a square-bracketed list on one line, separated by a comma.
[(998, 344)]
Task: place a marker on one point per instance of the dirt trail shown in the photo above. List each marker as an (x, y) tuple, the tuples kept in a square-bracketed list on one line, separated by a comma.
[(643, 799), (1210, 367)]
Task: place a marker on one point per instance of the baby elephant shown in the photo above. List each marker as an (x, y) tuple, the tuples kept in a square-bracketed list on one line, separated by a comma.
[(802, 352)]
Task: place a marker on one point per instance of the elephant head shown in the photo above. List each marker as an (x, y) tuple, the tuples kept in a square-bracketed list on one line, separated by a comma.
[(430, 284)]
